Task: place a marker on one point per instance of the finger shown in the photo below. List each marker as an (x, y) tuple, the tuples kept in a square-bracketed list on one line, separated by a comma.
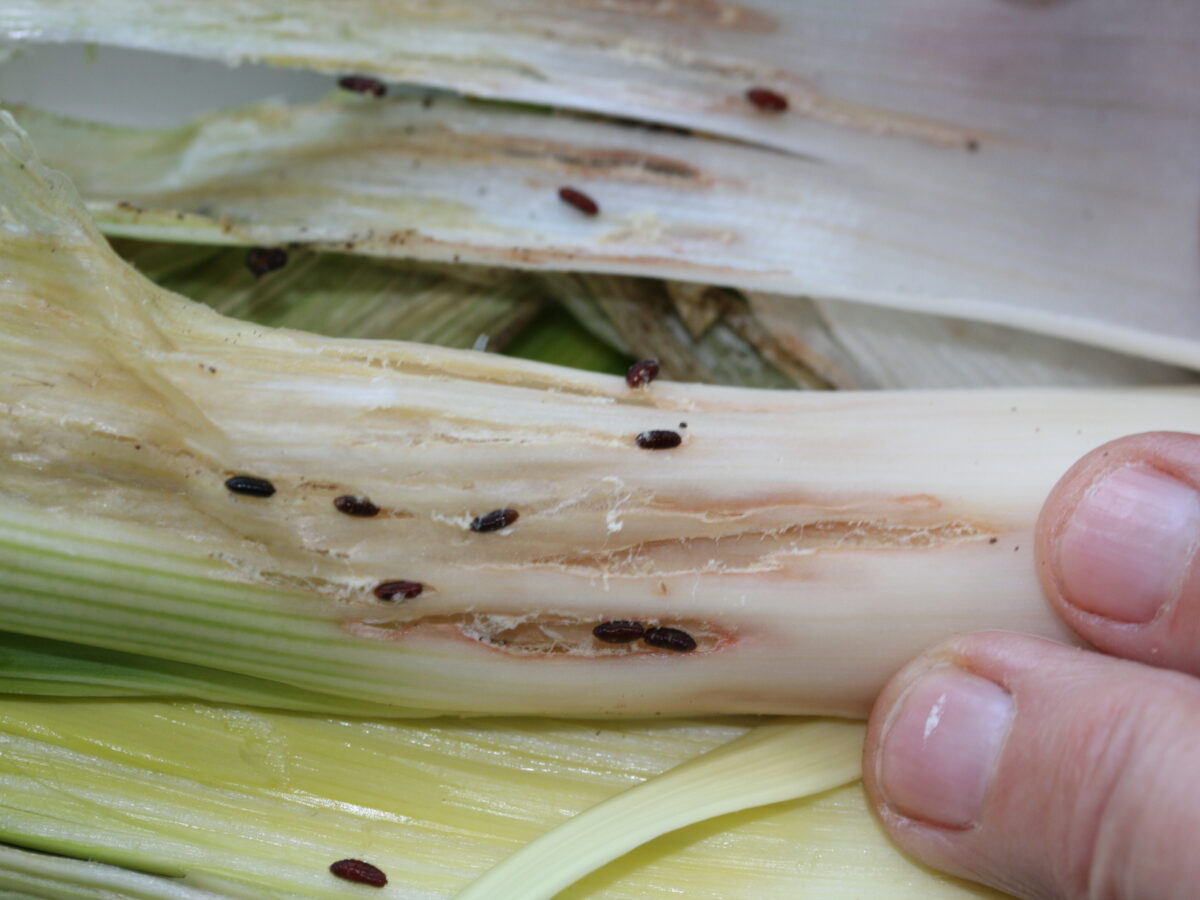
[(1117, 549), (1042, 770)]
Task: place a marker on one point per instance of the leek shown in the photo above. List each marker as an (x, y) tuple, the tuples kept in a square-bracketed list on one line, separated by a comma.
[(117, 530), (476, 183), (269, 604)]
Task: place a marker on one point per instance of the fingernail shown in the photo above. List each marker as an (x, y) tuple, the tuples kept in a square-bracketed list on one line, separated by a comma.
[(1125, 549), (938, 751)]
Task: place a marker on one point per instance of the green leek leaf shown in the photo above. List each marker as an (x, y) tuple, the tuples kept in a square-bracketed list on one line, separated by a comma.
[(252, 804)]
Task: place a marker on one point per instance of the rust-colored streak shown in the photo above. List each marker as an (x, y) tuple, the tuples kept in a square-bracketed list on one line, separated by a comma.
[(412, 242), (613, 163), (703, 13), (441, 144), (544, 634), (757, 550)]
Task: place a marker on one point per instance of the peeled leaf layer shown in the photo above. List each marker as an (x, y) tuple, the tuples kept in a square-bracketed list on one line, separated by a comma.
[(698, 333), (347, 296), (477, 183), (855, 347), (25, 875), (253, 805), (921, 75), (773, 763)]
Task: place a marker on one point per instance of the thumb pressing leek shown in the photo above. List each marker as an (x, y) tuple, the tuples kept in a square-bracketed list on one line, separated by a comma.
[(182, 486)]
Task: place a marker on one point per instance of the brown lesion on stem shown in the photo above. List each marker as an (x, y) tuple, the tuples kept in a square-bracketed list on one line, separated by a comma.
[(539, 634), (612, 164), (758, 550)]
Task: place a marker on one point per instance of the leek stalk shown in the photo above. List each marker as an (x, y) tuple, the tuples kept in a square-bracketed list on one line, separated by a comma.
[(878, 522)]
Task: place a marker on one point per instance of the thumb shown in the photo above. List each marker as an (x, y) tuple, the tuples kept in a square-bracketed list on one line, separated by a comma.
[(1042, 770)]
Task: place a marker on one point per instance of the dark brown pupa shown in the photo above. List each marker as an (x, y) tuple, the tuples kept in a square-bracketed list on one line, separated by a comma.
[(399, 590), (579, 200), (261, 260), (620, 631), (658, 440), (670, 639), (495, 520), (250, 486), (359, 872), (362, 84), (642, 373), (766, 100), (351, 505)]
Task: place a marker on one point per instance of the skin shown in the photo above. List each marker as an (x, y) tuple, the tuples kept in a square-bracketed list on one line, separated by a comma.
[(1093, 789)]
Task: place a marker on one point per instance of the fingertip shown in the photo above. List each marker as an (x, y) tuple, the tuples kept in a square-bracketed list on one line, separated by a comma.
[(1034, 767), (1117, 548), (939, 745), (904, 785), (915, 729)]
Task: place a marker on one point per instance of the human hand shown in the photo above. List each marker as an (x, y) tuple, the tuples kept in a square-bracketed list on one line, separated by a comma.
[(1054, 772)]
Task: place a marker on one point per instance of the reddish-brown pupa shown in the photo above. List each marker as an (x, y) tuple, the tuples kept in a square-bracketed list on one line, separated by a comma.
[(355, 506), (767, 100), (399, 590), (495, 520), (618, 632), (359, 872), (579, 200), (362, 84), (658, 440), (642, 373), (261, 260), (670, 639)]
